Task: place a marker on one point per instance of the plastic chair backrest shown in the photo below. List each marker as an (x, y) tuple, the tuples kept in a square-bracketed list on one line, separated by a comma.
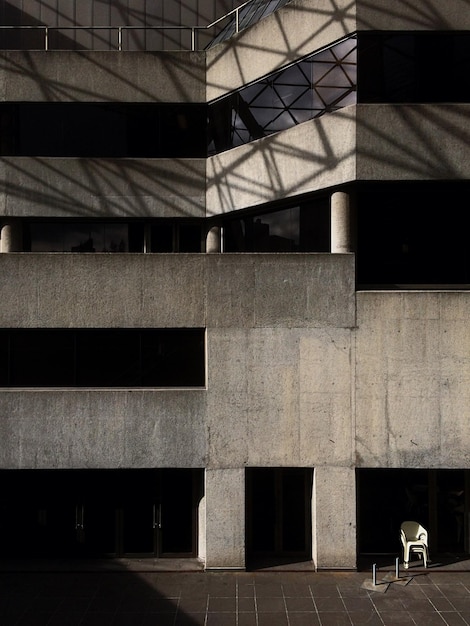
[(413, 531)]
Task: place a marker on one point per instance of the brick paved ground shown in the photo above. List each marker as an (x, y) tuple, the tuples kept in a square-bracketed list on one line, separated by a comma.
[(125, 598)]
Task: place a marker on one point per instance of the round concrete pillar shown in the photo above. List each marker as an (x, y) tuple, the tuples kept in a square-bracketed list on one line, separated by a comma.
[(213, 240), (11, 237), (340, 223)]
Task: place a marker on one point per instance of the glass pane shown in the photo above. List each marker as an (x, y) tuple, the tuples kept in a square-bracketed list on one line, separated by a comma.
[(41, 358), (173, 358), (450, 511), (162, 237), (80, 237), (189, 238), (281, 121), (4, 358), (108, 358), (177, 508), (138, 531)]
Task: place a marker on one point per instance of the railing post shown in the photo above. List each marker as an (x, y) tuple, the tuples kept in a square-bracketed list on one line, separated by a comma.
[(193, 39), (120, 38), (46, 38)]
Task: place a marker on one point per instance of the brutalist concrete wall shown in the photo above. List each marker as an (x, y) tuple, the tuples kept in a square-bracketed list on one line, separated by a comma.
[(88, 188), (64, 429), (311, 156), (279, 389), (278, 343), (66, 76), (279, 357), (412, 373), (295, 30), (279, 383), (303, 26), (362, 142), (413, 142)]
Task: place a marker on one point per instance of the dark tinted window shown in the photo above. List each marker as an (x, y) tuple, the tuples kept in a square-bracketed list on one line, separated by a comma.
[(301, 228), (102, 358), (96, 236), (166, 235), (413, 234), (86, 129), (41, 357), (414, 67)]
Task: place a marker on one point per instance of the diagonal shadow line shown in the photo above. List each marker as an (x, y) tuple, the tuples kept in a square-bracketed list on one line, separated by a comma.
[(402, 154), (289, 54), (103, 177), (426, 15), (429, 167), (56, 90)]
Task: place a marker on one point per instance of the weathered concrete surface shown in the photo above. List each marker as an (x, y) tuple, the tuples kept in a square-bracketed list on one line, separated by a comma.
[(371, 142), (412, 380), (49, 187), (92, 76), (293, 381), (278, 380), (280, 290), (284, 397), (102, 290), (53, 429), (363, 142), (309, 157), (225, 518), (304, 26), (413, 142), (169, 290), (295, 30), (334, 516)]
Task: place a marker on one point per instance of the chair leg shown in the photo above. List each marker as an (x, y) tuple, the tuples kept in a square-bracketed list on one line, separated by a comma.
[(406, 557)]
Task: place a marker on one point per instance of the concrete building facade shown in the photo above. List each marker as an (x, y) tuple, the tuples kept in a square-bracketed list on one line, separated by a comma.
[(235, 307)]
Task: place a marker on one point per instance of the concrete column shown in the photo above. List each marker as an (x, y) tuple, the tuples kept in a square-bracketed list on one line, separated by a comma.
[(225, 519), (340, 223), (11, 237), (213, 243), (334, 518)]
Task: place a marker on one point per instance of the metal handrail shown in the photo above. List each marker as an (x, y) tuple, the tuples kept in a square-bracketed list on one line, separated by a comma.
[(120, 29)]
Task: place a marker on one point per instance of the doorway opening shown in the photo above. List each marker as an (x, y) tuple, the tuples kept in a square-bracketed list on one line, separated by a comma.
[(100, 513), (278, 515), (437, 499)]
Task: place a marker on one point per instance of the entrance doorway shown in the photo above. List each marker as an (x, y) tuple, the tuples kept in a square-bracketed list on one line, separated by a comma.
[(278, 514), (438, 499), (100, 513)]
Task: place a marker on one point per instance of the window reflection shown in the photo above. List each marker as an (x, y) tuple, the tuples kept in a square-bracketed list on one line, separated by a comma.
[(323, 82), (301, 228), (80, 237), (117, 236)]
